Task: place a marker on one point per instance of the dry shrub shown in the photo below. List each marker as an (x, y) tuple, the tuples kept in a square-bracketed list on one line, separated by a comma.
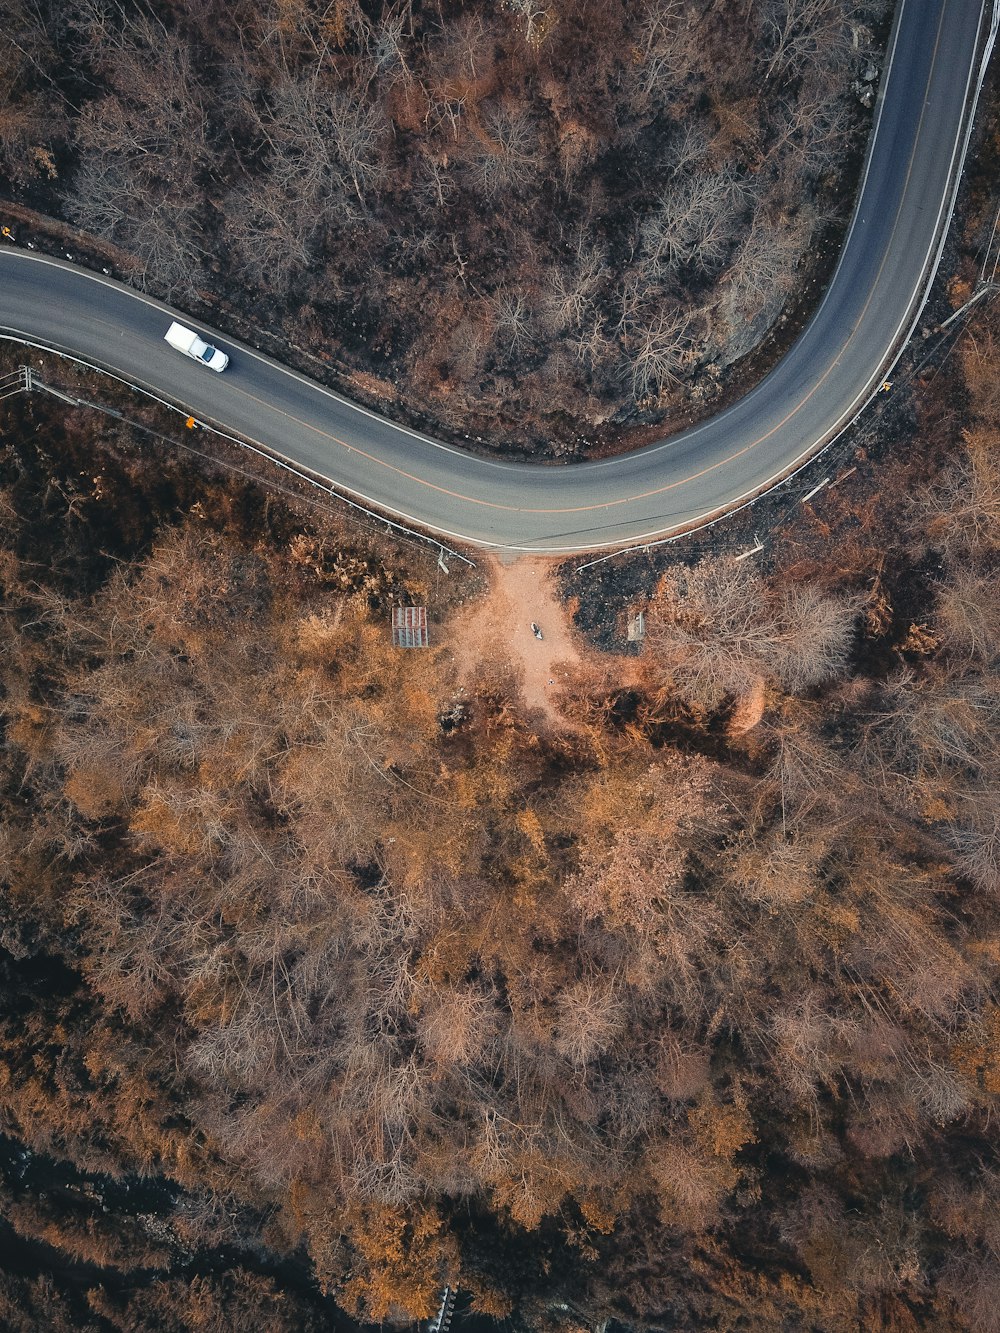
[(715, 629)]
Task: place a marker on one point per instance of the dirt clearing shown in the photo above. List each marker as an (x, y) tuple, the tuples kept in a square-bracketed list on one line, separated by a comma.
[(499, 625)]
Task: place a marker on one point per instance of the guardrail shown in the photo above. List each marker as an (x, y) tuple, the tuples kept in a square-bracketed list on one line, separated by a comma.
[(26, 380)]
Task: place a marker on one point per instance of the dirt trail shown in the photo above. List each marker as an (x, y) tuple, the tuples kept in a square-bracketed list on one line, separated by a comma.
[(500, 625)]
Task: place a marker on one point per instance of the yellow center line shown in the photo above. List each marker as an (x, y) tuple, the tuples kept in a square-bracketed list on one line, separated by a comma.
[(639, 495)]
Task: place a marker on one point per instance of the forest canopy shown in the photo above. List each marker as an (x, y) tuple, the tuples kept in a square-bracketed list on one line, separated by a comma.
[(325, 982), (530, 220), (687, 1015)]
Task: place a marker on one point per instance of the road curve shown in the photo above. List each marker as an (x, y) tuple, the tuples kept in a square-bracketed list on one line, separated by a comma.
[(890, 253)]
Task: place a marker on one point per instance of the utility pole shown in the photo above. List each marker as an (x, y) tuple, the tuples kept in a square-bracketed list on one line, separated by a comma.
[(442, 1320)]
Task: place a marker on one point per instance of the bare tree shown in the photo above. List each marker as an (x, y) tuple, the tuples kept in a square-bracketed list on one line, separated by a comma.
[(811, 136), (961, 512), (325, 142), (456, 1024), (664, 41), (571, 289), (809, 1052), (588, 1017), (386, 39), (537, 19), (511, 155), (968, 611), (716, 628), (694, 221), (710, 629), (977, 844), (971, 1281), (941, 1093), (32, 107), (512, 322), (804, 33), (690, 149), (762, 271), (435, 185), (815, 636), (143, 147), (271, 231), (980, 357), (657, 352)]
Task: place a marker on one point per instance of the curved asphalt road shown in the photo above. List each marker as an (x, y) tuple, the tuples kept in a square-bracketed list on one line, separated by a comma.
[(879, 286)]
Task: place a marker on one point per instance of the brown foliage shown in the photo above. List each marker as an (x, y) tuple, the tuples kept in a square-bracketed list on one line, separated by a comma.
[(678, 1018), (714, 630), (306, 145)]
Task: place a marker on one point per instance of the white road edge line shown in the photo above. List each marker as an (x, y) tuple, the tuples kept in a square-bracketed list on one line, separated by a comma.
[(659, 535)]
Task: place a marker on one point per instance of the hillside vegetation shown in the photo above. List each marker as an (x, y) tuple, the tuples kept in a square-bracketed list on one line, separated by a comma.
[(522, 220), (687, 1018)]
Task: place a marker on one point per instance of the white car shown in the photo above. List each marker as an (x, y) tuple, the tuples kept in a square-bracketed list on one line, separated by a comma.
[(188, 342)]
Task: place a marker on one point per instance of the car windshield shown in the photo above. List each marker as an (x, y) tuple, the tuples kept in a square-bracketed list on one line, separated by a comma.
[(208, 353)]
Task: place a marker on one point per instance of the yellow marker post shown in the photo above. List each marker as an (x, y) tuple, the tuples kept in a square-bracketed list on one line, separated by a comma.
[(191, 423)]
